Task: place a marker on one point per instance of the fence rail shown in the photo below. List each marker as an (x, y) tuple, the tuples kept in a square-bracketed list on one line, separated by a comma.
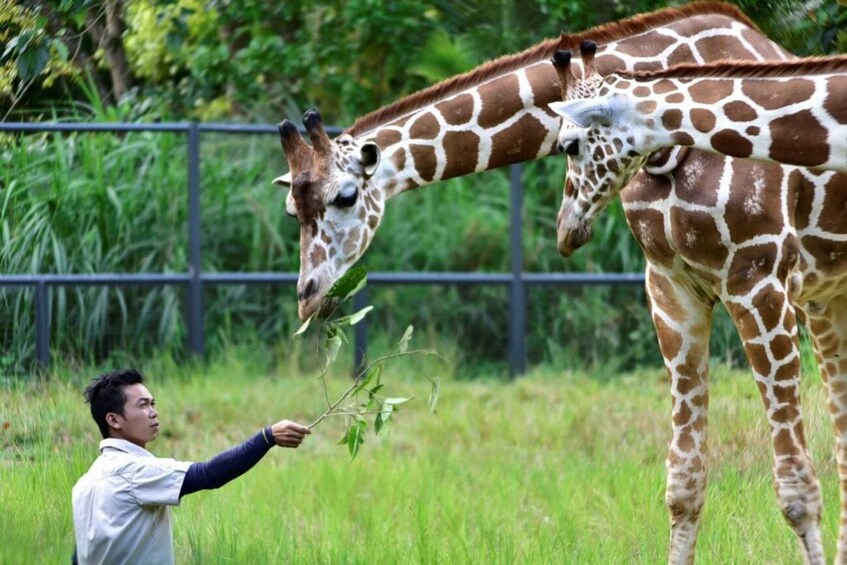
[(195, 279)]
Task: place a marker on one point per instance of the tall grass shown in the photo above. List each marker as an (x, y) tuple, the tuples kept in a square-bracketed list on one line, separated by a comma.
[(557, 467)]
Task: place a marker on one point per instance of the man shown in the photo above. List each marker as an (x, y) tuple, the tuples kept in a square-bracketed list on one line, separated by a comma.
[(121, 506)]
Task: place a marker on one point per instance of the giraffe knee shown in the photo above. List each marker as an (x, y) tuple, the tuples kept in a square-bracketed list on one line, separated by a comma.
[(684, 506)]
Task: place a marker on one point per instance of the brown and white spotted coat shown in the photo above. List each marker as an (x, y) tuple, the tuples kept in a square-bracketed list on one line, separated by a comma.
[(771, 252), (499, 115)]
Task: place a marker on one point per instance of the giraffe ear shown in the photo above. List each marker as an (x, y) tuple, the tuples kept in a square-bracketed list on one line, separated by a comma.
[(284, 180), (583, 112), (370, 157)]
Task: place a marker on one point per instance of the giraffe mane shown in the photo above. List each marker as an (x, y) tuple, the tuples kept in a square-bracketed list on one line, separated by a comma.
[(542, 51), (746, 69)]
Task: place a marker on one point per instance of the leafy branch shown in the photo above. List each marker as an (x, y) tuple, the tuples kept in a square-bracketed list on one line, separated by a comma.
[(365, 396)]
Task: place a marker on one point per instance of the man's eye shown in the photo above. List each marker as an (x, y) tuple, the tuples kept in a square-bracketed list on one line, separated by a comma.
[(347, 197)]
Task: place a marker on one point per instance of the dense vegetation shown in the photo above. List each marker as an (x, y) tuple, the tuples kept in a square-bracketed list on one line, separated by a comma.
[(80, 203)]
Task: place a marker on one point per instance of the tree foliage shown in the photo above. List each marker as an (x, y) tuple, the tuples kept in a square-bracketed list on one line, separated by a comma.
[(216, 59)]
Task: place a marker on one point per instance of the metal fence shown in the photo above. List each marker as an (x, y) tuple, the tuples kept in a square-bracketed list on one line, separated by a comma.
[(195, 279)]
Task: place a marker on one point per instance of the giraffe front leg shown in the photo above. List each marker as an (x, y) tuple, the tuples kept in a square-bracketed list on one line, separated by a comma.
[(683, 326), (828, 327), (767, 325)]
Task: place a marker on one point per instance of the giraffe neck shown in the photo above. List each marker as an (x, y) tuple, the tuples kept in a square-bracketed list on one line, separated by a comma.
[(498, 123), (506, 118), (793, 120)]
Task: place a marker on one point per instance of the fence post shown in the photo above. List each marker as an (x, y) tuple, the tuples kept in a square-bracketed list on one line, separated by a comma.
[(517, 288), (42, 323), (196, 337), (360, 332)]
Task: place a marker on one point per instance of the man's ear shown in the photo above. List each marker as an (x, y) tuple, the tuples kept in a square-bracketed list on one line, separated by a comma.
[(370, 156), (112, 421)]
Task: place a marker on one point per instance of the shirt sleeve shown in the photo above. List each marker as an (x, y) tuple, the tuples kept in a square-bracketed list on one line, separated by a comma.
[(226, 466), (158, 481)]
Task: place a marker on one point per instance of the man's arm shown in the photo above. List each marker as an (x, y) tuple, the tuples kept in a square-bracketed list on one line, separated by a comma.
[(234, 462)]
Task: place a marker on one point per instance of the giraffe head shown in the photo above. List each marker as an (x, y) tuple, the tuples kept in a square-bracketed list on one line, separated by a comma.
[(598, 135), (334, 198)]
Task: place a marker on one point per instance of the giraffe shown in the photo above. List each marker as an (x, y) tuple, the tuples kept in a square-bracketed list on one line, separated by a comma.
[(498, 115), (793, 113), (749, 242)]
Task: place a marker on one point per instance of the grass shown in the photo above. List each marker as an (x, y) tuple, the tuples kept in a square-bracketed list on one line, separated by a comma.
[(556, 467)]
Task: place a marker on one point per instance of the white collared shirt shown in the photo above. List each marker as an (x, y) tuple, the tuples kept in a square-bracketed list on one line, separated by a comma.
[(121, 506)]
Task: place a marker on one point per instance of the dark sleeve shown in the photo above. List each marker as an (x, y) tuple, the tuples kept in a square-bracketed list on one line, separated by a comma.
[(232, 463)]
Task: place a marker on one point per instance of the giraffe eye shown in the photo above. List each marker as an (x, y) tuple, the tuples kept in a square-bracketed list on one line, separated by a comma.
[(346, 197), (572, 148)]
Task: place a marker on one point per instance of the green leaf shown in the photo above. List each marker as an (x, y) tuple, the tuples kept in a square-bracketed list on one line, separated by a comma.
[(355, 437), (373, 373), (360, 315), (349, 284), (332, 345), (353, 319), (403, 344), (305, 326), (396, 401), (433, 395)]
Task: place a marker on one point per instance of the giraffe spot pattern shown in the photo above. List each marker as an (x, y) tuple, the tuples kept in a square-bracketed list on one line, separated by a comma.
[(703, 120), (799, 139), (775, 94), (456, 111), (717, 47), (672, 119), (648, 45), (501, 100), (836, 99), (752, 131), (461, 148), (709, 91), (646, 107), (739, 111), (675, 98), (730, 142), (504, 149), (425, 127), (425, 161), (697, 237)]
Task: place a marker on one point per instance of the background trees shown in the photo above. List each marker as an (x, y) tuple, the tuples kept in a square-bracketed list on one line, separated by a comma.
[(258, 59)]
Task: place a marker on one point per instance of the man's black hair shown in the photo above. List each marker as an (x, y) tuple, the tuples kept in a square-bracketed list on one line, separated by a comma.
[(106, 394)]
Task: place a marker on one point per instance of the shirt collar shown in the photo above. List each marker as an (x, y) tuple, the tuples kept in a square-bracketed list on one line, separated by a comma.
[(112, 444)]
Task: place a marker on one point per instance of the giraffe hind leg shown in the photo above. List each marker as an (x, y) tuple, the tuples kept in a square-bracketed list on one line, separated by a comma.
[(767, 325), (828, 328)]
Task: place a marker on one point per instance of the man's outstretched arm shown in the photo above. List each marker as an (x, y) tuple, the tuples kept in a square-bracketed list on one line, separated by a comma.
[(234, 462)]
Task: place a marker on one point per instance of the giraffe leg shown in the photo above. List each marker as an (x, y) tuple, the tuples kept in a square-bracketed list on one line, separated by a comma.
[(767, 324), (683, 326), (828, 326)]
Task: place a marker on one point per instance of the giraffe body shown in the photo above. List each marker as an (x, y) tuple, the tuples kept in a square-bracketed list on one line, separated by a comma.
[(499, 115)]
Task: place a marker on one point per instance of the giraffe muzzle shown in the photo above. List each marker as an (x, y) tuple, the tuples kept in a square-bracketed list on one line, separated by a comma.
[(571, 239)]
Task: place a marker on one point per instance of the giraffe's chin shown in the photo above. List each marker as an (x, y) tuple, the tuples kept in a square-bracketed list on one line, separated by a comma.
[(570, 240), (317, 306)]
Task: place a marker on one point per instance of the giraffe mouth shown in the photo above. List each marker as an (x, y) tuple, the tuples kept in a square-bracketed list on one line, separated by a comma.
[(317, 305), (569, 240)]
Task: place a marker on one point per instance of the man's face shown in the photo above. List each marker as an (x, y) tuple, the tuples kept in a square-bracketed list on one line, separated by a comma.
[(139, 423)]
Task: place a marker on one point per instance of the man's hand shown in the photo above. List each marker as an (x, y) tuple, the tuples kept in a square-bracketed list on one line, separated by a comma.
[(289, 434)]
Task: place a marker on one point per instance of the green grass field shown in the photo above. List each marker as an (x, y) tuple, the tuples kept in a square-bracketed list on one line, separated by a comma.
[(555, 467)]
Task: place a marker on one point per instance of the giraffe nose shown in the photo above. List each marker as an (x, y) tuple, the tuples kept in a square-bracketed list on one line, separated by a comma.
[(309, 290)]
